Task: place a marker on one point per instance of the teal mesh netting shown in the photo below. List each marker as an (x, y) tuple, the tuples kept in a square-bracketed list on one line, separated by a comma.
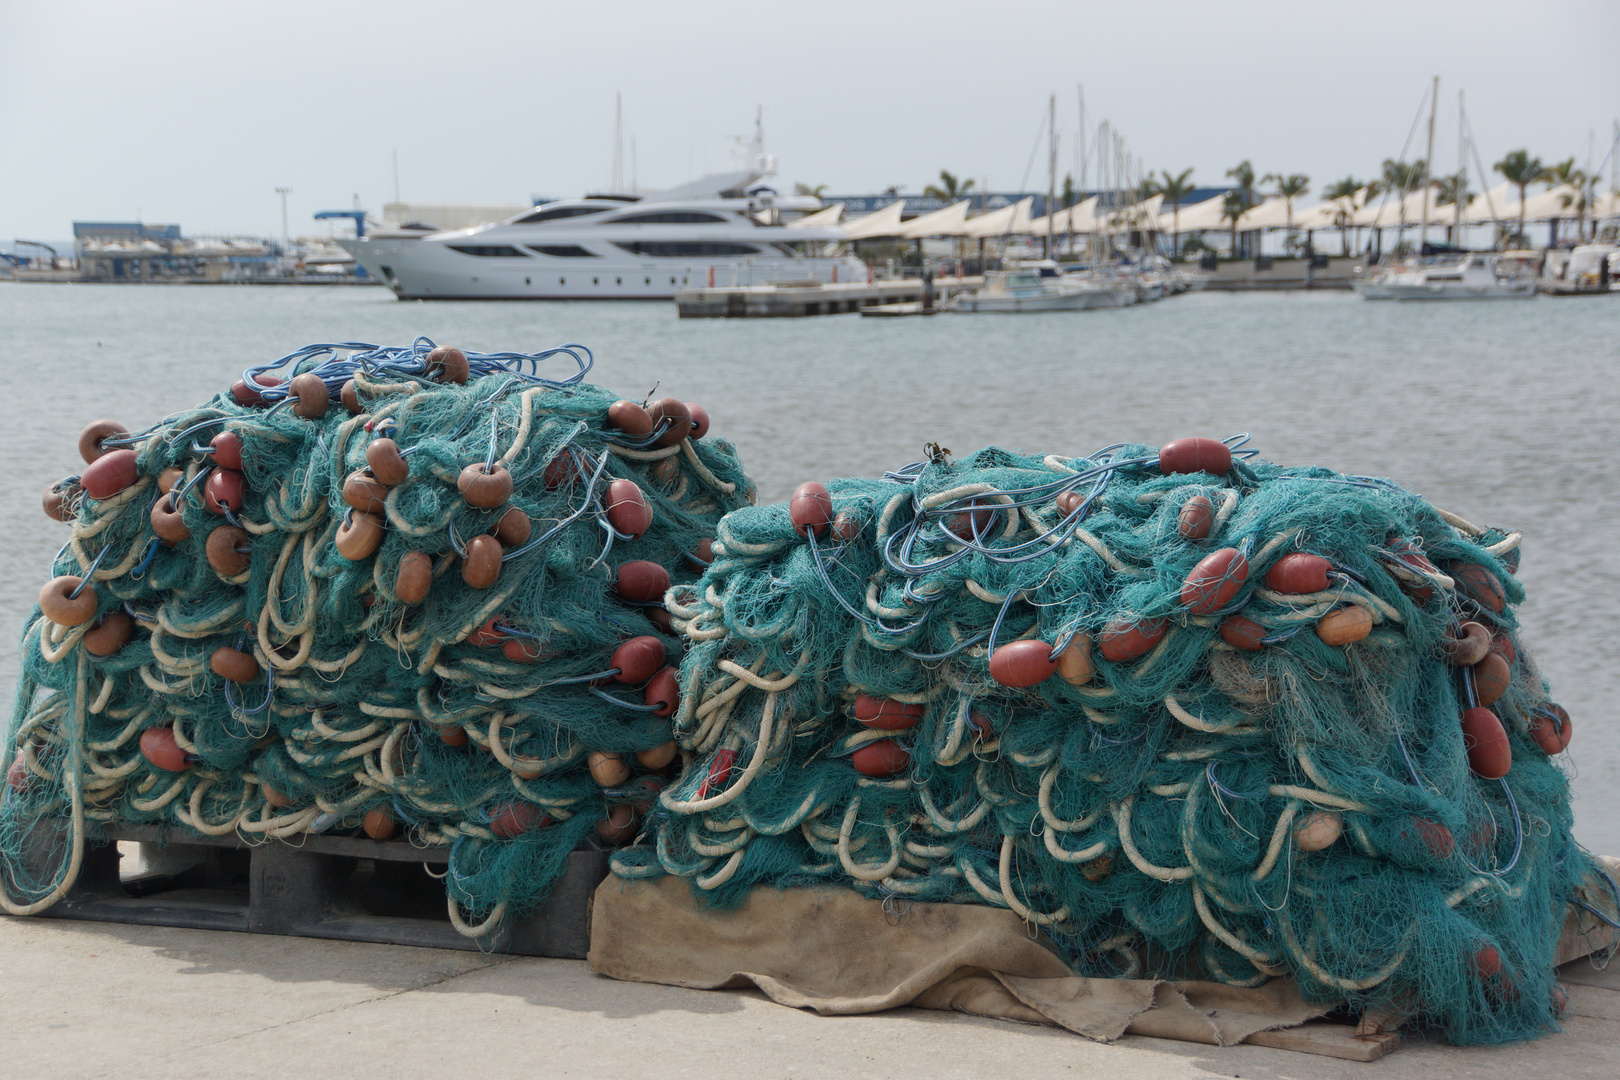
[(1191, 715), (285, 643)]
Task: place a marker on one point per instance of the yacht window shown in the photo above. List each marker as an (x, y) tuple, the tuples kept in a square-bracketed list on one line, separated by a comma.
[(558, 212), (668, 217), (489, 251), (683, 249), (563, 251)]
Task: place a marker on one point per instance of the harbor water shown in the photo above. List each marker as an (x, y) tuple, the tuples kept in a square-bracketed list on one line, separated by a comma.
[(1504, 413)]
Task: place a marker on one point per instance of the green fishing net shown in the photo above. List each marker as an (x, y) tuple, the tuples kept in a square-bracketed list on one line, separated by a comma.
[(1189, 714), (234, 654)]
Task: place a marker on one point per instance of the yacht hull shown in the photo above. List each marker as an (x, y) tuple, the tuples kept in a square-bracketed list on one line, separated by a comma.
[(1011, 305), (1442, 292), (415, 270)]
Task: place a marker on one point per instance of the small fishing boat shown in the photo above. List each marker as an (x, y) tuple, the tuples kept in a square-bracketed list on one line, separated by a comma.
[(1023, 290), (1474, 277)]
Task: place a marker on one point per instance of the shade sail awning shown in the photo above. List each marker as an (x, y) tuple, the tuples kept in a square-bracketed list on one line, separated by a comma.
[(1138, 215), (1009, 219), (1080, 218), (828, 216), (884, 222), (951, 221), (1194, 218), (1559, 202)]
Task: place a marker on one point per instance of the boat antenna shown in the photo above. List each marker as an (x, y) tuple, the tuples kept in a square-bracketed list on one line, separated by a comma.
[(616, 184)]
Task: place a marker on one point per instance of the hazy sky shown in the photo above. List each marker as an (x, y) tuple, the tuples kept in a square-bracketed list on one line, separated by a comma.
[(194, 112)]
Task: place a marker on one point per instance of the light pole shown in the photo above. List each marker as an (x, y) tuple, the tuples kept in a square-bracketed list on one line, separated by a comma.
[(283, 192)]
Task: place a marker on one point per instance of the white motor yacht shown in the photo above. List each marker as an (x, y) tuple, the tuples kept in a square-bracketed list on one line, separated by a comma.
[(1474, 277), (722, 230)]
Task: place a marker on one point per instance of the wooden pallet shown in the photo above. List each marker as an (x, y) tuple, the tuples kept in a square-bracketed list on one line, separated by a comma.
[(340, 887), (1329, 1040)]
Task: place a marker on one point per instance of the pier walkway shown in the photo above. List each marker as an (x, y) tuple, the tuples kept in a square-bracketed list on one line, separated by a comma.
[(101, 999)]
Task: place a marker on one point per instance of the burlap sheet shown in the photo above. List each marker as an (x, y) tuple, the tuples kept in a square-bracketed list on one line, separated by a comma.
[(836, 952)]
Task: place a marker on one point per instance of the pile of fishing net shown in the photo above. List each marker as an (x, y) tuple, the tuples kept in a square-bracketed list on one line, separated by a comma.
[(413, 592), (1192, 715)]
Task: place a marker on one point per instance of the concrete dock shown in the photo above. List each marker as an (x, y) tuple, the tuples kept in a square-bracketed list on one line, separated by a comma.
[(792, 300), (102, 999)]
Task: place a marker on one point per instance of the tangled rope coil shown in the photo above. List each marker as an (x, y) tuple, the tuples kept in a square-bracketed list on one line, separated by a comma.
[(1189, 714), (393, 590)]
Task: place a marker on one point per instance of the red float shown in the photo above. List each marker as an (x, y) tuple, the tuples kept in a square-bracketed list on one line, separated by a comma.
[(158, 747), (1489, 754), (1022, 663), (511, 819), (886, 714), (638, 659), (664, 692), (882, 758), (1214, 581), (810, 508), (641, 581), (1196, 455), (223, 490), (1480, 584), (1242, 632), (627, 509), (678, 415), (700, 420), (629, 418), (1126, 639), (1549, 726), (109, 474), (1298, 574), (1197, 518), (487, 635)]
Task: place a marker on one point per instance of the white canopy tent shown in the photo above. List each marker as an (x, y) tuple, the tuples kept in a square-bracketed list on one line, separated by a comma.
[(951, 221), (884, 222), (1558, 202), (1328, 213), (828, 216), (1138, 215), (1009, 219), (1198, 217), (1271, 214), (1080, 218)]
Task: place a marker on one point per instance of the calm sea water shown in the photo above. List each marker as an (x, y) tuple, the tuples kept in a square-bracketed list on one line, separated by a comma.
[(1505, 413)]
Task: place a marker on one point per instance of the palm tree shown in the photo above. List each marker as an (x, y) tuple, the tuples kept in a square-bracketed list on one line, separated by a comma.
[(1521, 170), (1289, 188), (1243, 173), (949, 188), (1343, 194), (1402, 178), (1174, 189), (1234, 206), (805, 189), (1452, 191), (1564, 173)]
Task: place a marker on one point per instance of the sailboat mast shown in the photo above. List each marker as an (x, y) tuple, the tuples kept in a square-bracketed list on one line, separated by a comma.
[(1051, 172), (1428, 161), (1462, 170)]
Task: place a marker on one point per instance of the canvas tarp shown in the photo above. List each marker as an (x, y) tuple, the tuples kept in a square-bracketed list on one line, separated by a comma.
[(836, 952)]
